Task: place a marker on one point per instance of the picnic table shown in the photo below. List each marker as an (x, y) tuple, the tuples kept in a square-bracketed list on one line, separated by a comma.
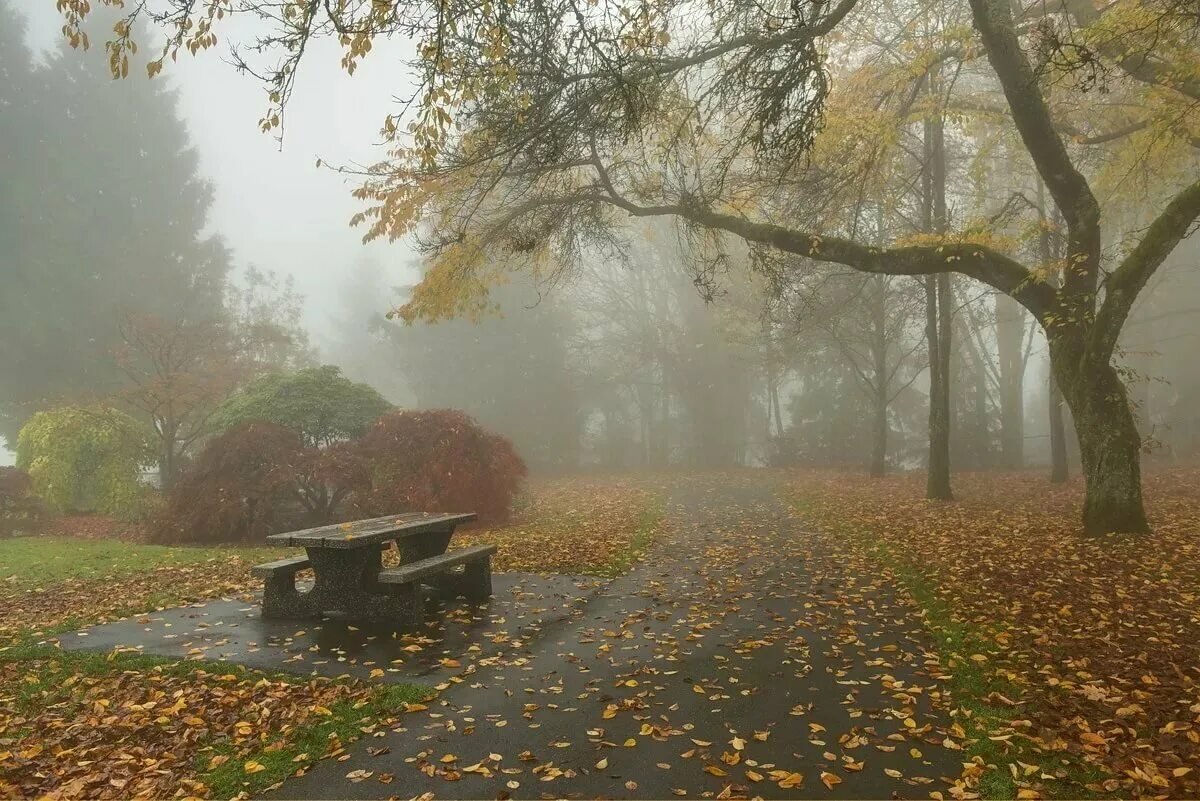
[(347, 561)]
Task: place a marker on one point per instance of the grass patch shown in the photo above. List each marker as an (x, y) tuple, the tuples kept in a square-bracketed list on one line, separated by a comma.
[(281, 758), (35, 561), (970, 684), (649, 523), (219, 763)]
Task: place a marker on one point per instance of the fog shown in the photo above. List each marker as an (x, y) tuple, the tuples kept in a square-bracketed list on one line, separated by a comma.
[(621, 399), (271, 204), (640, 352)]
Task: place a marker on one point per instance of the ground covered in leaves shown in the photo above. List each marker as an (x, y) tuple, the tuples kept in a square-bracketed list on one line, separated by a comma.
[(93, 726), (1082, 654), (740, 657), (588, 525), (75, 725)]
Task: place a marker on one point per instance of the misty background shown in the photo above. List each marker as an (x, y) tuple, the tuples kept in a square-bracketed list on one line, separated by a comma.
[(586, 372)]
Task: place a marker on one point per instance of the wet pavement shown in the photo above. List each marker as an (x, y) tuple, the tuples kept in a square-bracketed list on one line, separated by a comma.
[(745, 656), (231, 629)]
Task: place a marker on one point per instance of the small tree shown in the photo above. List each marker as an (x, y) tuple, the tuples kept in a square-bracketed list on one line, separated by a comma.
[(330, 479), (86, 459), (439, 460), (178, 371), (19, 508), (319, 402), (238, 489)]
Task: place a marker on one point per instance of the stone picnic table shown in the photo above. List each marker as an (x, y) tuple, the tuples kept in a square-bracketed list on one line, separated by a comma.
[(347, 561)]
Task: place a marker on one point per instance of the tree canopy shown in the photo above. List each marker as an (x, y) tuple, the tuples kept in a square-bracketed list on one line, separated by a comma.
[(319, 403), (106, 219), (537, 129)]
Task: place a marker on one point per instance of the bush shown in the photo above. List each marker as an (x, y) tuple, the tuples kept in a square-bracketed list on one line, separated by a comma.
[(260, 478), (240, 488), (441, 460), (20, 510), (87, 459), (319, 403)]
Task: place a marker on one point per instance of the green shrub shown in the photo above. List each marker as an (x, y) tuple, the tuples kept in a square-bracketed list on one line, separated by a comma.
[(319, 403), (87, 459)]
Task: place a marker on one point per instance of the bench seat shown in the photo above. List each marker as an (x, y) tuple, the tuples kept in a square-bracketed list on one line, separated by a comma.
[(476, 579), (289, 567)]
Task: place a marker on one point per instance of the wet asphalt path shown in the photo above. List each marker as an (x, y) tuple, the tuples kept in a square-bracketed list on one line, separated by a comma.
[(743, 657)]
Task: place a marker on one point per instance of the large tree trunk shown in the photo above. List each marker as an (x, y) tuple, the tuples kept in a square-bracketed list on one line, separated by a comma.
[(879, 374), (1109, 444), (938, 313)]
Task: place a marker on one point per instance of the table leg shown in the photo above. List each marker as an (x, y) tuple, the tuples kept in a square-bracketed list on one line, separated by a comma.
[(346, 582), (281, 599)]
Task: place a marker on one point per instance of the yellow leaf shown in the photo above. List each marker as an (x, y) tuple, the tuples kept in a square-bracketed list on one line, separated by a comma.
[(254, 767), (791, 780), (830, 779)]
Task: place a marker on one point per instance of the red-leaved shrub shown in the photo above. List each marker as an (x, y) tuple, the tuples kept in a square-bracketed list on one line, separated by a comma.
[(20, 509), (240, 488), (439, 461)]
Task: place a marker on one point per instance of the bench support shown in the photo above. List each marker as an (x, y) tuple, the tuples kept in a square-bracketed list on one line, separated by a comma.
[(476, 581), (280, 598)]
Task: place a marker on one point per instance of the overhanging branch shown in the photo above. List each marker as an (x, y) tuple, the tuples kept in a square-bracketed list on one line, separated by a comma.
[(1124, 284)]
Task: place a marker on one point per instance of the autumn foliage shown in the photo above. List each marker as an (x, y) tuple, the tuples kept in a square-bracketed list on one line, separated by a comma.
[(238, 489), (1095, 640), (440, 460), (260, 477)]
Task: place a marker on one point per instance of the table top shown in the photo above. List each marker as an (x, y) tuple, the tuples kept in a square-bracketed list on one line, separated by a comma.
[(362, 533)]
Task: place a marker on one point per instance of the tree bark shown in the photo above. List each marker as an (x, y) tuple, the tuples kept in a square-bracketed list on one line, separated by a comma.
[(938, 481), (880, 439), (938, 316), (881, 384), (1109, 443)]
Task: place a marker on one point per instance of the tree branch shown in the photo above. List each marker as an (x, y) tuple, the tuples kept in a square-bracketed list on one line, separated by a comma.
[(1124, 284), (975, 261), (1068, 187)]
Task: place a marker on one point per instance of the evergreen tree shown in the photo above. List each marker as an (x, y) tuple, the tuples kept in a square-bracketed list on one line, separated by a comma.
[(103, 214)]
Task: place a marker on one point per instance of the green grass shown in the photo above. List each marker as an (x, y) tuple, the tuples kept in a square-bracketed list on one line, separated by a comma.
[(345, 721), (280, 759), (970, 683), (37, 561), (649, 524)]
